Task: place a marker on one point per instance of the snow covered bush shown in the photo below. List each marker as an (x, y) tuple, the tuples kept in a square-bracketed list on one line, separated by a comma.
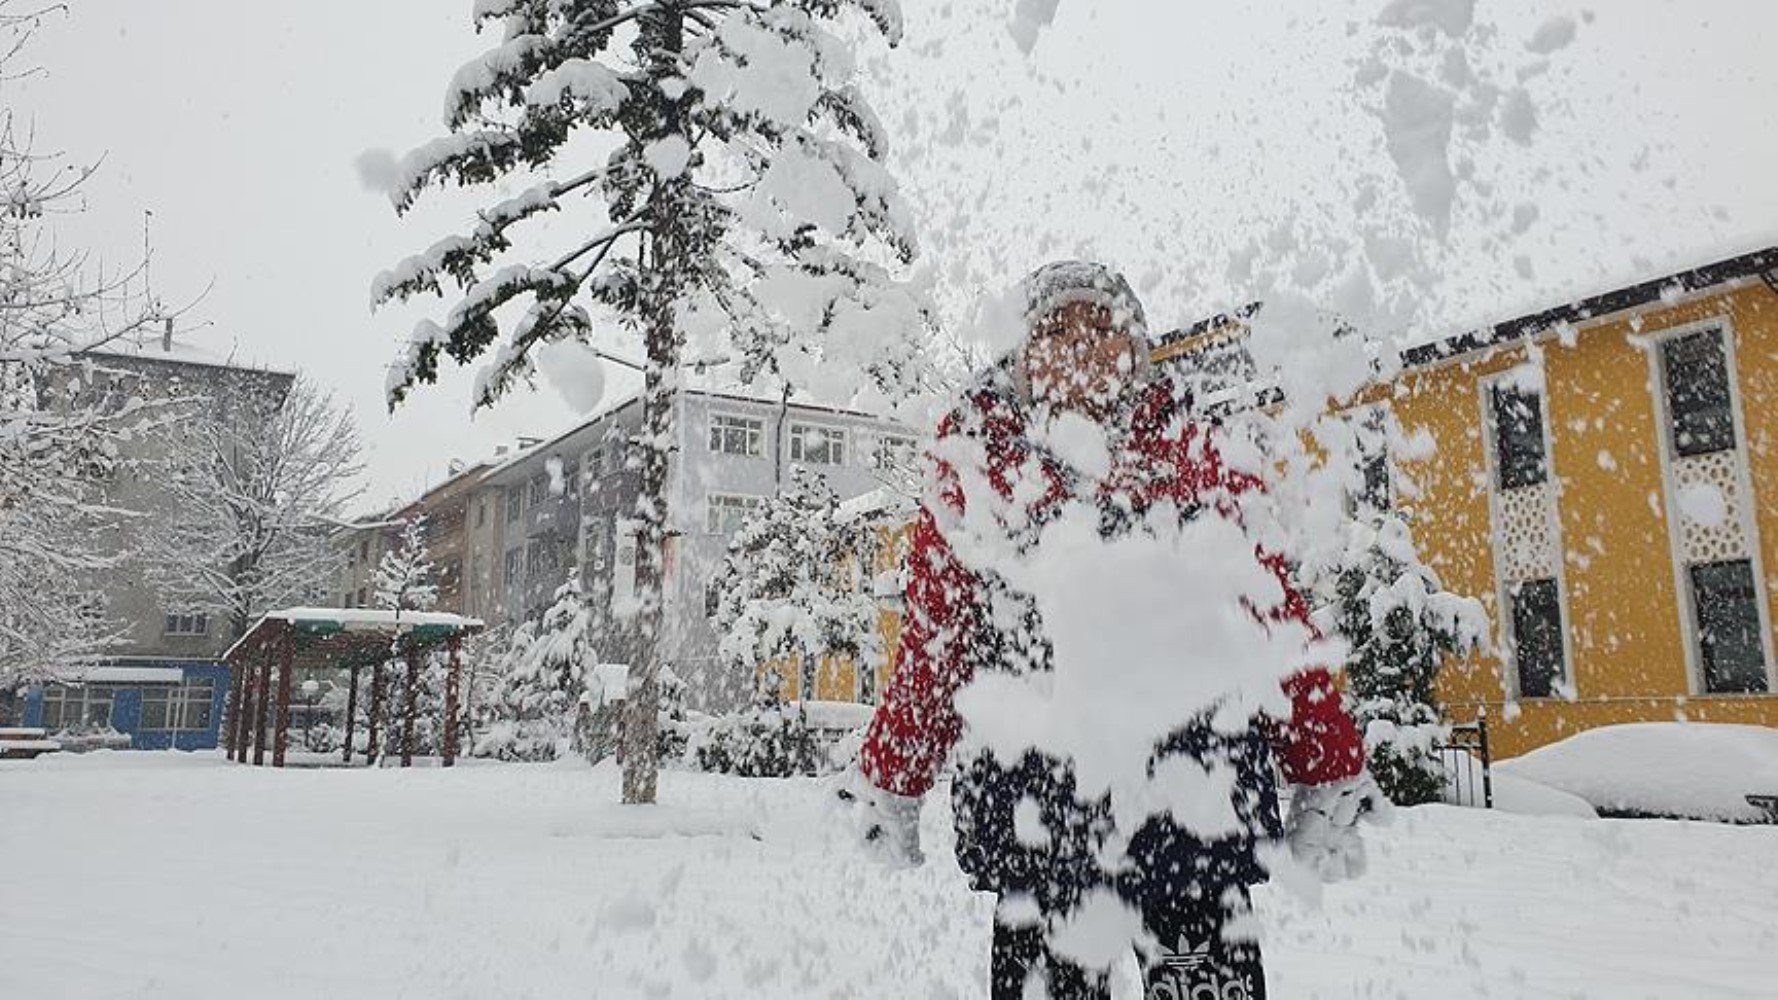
[(793, 589), (771, 739), (544, 674), (1399, 625)]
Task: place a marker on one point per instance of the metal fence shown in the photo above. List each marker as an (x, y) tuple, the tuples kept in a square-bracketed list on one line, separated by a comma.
[(1468, 765)]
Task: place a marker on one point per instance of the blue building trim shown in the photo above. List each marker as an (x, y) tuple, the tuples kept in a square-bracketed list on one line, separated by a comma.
[(126, 707)]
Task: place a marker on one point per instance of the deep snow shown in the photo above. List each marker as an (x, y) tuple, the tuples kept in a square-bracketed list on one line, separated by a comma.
[(160, 874)]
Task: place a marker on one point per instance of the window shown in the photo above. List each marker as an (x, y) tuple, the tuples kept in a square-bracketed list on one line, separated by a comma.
[(571, 478), (712, 599), (1730, 653), (1696, 373), (364, 551), (1518, 437), (892, 451), (595, 464), (726, 512), (187, 623), (184, 706), (539, 489), (87, 706), (731, 435), (616, 447), (1537, 637), (515, 503), (362, 595), (817, 445), (515, 563)]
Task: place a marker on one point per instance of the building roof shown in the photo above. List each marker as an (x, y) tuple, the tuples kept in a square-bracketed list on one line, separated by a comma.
[(178, 351), (342, 636), (1758, 263), (1761, 263)]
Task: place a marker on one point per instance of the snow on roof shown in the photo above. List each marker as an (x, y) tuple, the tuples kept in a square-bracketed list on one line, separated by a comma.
[(179, 351), (120, 675), (374, 617), (878, 501), (836, 714)]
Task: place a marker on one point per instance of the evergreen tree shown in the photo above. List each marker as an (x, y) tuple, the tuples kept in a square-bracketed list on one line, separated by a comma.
[(1400, 625), (793, 589), (545, 672), (404, 581), (741, 217), (404, 577)]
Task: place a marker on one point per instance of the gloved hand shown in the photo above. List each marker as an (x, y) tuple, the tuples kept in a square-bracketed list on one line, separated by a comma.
[(1323, 825), (888, 824)]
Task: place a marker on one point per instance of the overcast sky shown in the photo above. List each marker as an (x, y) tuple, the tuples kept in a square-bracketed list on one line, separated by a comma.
[(1150, 134)]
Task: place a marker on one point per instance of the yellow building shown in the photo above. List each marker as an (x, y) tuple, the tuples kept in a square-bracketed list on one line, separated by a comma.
[(1606, 482)]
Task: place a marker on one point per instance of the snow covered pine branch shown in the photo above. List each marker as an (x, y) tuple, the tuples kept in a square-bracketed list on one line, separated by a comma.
[(743, 213)]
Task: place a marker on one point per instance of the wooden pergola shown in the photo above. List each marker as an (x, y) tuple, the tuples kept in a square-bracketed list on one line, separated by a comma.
[(342, 639)]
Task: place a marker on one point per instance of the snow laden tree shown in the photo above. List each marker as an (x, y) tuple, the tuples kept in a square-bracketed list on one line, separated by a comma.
[(404, 581), (546, 671), (700, 174), (257, 490), (794, 590), (61, 419), (1400, 625), (404, 578)]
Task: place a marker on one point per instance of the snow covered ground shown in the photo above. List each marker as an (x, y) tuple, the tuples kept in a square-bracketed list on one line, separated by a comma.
[(160, 874)]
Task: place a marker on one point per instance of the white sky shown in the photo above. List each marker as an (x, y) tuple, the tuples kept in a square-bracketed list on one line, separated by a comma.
[(1158, 136)]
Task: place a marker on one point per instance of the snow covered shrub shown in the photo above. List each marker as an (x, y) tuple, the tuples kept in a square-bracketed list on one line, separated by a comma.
[(771, 739), (1399, 624), (793, 587)]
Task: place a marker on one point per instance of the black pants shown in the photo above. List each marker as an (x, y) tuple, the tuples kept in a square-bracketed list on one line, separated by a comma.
[(1195, 963)]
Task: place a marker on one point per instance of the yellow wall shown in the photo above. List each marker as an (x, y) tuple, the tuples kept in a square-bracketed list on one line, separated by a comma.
[(1628, 658)]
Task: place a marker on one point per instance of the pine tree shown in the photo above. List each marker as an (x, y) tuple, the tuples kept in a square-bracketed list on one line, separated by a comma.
[(404, 577), (741, 218), (545, 672), (1400, 625), (792, 589)]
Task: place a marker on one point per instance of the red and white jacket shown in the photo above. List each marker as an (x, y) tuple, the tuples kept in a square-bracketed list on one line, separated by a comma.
[(917, 724)]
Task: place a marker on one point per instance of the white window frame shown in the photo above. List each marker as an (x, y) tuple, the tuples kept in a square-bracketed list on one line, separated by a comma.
[(756, 434), (1567, 686), (835, 435), (906, 443), (1682, 584), (715, 505)]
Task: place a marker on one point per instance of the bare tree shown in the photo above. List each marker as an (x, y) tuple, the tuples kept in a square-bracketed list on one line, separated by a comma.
[(258, 487), (60, 419)]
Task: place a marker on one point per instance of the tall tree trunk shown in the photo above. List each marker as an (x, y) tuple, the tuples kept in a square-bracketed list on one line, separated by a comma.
[(664, 275)]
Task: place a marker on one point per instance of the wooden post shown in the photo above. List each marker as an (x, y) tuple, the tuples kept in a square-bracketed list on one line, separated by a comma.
[(286, 667), (235, 683), (450, 705), (260, 705), (351, 712), (376, 710), (410, 708), (249, 702)]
